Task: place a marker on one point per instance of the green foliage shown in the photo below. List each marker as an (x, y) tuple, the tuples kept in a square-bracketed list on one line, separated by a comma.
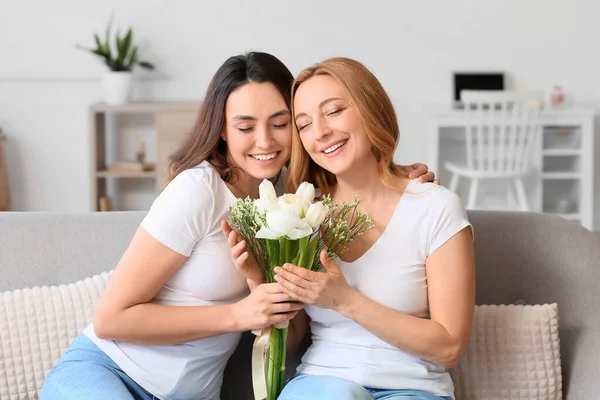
[(123, 56)]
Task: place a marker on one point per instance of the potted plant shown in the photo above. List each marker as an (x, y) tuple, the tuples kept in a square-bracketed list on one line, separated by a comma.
[(120, 60)]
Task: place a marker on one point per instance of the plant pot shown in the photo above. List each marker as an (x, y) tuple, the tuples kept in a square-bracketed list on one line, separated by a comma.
[(117, 87)]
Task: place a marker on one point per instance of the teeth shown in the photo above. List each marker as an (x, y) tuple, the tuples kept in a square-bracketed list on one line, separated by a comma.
[(264, 157), (334, 147)]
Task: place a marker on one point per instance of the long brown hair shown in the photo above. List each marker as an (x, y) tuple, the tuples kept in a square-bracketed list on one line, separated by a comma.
[(376, 111), (204, 143)]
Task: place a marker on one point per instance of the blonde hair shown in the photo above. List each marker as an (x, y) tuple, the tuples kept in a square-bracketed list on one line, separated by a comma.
[(376, 112)]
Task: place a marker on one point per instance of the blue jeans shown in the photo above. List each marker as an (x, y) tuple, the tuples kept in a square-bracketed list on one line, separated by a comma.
[(86, 372), (321, 387)]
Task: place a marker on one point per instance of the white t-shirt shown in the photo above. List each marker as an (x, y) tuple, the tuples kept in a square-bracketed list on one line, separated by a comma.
[(391, 272), (186, 217)]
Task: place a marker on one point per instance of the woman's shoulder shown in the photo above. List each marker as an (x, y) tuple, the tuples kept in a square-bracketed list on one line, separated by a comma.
[(202, 175), (192, 188), (435, 199), (438, 213)]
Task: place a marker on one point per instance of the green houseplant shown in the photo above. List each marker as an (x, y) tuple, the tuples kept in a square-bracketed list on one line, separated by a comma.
[(121, 58)]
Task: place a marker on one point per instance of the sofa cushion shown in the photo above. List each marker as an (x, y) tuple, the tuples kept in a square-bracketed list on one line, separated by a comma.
[(513, 353), (37, 326)]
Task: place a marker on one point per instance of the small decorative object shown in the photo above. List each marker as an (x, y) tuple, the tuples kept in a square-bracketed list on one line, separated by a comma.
[(557, 96), (105, 204), (295, 230), (140, 155), (120, 60), (563, 205)]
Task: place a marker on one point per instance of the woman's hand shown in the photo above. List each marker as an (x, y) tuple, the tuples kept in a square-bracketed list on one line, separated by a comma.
[(267, 305), (327, 289), (242, 259), (420, 171)]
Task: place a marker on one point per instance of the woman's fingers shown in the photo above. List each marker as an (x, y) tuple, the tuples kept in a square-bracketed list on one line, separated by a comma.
[(243, 258), (232, 239), (238, 249), (226, 228), (286, 307), (279, 318), (428, 177), (273, 288), (294, 291), (293, 278)]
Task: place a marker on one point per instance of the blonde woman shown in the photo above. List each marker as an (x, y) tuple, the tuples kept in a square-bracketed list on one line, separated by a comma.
[(395, 311)]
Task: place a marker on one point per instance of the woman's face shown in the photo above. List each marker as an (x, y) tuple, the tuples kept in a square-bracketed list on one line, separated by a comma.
[(257, 130), (329, 125)]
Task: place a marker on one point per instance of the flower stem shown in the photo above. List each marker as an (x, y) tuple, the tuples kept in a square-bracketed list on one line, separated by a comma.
[(276, 370)]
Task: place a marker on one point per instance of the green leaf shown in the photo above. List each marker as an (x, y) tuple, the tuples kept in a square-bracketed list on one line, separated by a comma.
[(108, 28), (146, 64), (126, 49), (97, 39), (106, 46), (119, 43), (127, 42), (99, 53), (132, 59)]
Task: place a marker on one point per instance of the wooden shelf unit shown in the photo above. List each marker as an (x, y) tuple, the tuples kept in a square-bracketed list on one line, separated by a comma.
[(173, 121)]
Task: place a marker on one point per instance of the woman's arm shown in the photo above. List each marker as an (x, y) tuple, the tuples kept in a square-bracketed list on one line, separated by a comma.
[(126, 314), (451, 290)]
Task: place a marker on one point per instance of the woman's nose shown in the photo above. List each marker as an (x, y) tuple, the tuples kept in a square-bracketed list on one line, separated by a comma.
[(264, 138), (321, 128)]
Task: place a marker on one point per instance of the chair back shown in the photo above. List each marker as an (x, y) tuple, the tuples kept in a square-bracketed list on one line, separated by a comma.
[(501, 130)]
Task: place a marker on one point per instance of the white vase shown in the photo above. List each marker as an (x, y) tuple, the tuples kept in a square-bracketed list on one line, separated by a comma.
[(117, 87)]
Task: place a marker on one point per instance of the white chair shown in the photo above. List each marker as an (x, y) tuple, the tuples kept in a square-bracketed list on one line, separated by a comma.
[(501, 131)]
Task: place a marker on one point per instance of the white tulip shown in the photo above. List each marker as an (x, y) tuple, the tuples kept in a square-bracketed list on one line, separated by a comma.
[(295, 203), (303, 224), (266, 205), (306, 191), (316, 214), (266, 190), (299, 233), (283, 223)]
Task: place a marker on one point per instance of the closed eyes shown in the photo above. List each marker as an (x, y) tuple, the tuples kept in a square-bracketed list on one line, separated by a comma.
[(251, 128)]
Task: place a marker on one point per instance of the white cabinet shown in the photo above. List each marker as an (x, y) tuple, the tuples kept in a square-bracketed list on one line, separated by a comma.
[(562, 178)]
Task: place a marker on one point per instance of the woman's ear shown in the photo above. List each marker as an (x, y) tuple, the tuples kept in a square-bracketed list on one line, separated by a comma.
[(224, 135)]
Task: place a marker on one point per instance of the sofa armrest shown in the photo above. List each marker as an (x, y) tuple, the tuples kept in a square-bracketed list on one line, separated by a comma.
[(582, 380)]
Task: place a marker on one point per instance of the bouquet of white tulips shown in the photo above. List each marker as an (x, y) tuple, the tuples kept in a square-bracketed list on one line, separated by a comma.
[(290, 229)]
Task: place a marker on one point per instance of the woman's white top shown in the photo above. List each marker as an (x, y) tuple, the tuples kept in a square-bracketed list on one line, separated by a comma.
[(186, 217), (392, 272)]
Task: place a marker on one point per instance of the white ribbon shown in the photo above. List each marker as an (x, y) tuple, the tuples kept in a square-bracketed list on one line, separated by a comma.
[(260, 355)]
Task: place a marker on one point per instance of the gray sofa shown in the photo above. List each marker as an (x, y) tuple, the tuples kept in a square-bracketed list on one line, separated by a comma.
[(533, 257)]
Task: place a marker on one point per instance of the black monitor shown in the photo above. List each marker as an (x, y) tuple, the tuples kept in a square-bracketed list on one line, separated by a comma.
[(477, 81)]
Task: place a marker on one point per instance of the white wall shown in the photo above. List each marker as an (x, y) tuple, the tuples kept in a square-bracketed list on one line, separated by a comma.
[(46, 84)]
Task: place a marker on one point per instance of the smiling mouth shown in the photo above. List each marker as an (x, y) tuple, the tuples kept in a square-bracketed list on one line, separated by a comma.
[(264, 157), (334, 147)]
